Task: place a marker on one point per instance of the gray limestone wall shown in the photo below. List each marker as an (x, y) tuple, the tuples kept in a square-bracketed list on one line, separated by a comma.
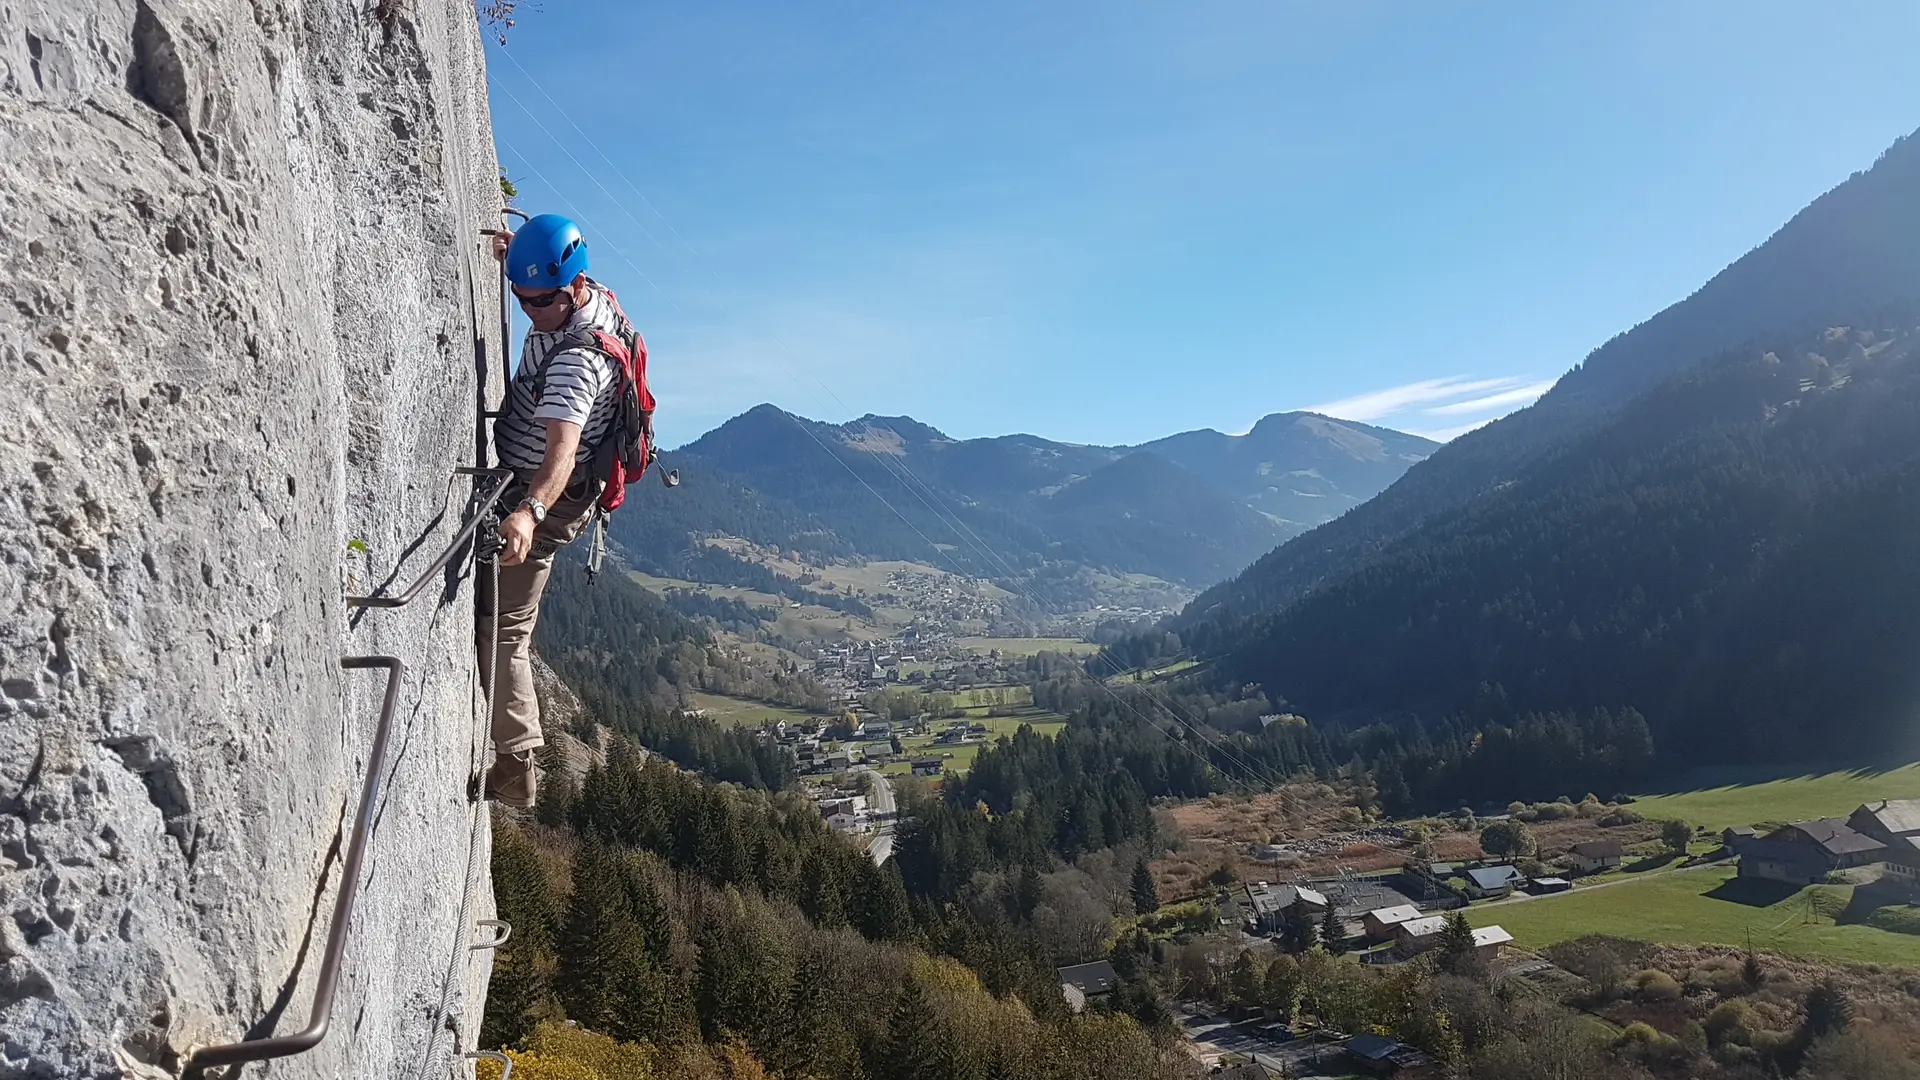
[(238, 266)]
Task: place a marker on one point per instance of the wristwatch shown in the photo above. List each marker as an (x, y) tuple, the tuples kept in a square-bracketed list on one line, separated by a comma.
[(535, 507)]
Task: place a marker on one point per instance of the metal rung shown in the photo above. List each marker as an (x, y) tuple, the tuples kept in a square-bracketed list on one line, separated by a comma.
[(501, 477), (506, 1063), (506, 932), (309, 1037)]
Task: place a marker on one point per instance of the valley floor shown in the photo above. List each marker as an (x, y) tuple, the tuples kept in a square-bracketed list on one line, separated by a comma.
[(1705, 906)]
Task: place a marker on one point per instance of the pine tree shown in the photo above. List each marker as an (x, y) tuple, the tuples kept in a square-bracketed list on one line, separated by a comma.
[(878, 901), (601, 947), (1297, 933), (1828, 1010), (815, 1041), (1146, 898), (1456, 943), (912, 1049), (1333, 932), (1027, 892), (554, 804), (520, 992)]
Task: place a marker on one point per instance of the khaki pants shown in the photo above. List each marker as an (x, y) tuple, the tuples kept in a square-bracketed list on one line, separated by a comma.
[(516, 711)]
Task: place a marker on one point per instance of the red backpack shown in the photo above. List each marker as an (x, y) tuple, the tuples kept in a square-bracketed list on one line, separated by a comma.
[(625, 451)]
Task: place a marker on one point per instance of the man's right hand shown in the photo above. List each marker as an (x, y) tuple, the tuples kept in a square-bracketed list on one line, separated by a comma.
[(500, 241), (516, 538)]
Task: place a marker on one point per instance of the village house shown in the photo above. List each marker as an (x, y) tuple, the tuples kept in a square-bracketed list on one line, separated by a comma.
[(1540, 886), (928, 767), (1597, 855), (845, 804), (1267, 904), (1081, 983), (1378, 924), (1805, 852), (1895, 824), (1493, 881), (1735, 837), (1418, 935), (1487, 941), (845, 823), (1382, 1056)]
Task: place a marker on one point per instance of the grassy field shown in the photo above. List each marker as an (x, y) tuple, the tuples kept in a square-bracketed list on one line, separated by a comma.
[(731, 712), (959, 758), (982, 698), (1701, 907), (1151, 674), (806, 622), (1725, 797), (1022, 647)]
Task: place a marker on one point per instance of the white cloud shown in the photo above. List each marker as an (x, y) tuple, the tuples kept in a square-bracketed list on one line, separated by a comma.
[(1449, 434), (1494, 403), (1376, 404)]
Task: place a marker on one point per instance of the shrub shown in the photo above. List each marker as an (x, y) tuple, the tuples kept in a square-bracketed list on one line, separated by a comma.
[(1652, 984), (1675, 835), (1721, 975), (1506, 838), (1620, 816), (1900, 919), (1731, 1023), (1639, 1033), (1643, 1040)]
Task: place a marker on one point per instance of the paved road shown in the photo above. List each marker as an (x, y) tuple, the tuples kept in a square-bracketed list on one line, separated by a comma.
[(881, 847), (1209, 1039), (882, 791)]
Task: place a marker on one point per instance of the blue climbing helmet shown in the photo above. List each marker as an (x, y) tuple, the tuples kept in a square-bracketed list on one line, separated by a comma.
[(547, 252)]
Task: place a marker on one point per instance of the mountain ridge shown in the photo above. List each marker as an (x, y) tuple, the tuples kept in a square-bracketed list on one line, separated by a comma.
[(1644, 536), (1815, 256), (896, 487)]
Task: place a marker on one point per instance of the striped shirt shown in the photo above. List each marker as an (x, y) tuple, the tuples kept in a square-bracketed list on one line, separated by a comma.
[(582, 387)]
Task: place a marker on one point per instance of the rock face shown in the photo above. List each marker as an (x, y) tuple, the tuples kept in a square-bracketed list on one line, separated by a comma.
[(238, 245)]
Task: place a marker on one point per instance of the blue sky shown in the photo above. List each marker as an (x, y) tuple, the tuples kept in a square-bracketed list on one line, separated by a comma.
[(1110, 221)]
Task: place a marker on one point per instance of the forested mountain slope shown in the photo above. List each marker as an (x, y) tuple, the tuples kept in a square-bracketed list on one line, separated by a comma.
[(1852, 257), (1730, 554), (1300, 467), (1192, 508)]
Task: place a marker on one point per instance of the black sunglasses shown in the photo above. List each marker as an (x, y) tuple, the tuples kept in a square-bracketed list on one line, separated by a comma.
[(545, 299)]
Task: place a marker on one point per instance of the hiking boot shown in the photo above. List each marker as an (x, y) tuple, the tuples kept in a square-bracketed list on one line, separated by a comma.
[(513, 780)]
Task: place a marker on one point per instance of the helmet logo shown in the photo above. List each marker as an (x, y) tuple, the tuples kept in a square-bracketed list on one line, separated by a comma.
[(532, 270)]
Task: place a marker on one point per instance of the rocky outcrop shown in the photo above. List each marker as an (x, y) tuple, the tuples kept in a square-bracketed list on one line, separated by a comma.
[(238, 253)]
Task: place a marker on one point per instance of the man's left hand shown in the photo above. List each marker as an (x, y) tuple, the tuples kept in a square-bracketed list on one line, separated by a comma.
[(516, 538)]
